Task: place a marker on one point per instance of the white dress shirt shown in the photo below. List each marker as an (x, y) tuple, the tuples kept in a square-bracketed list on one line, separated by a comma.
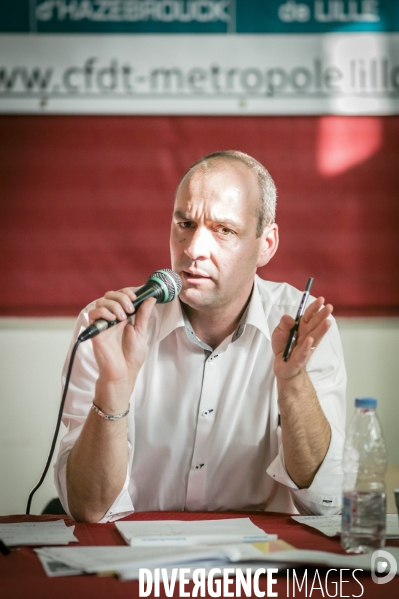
[(203, 428)]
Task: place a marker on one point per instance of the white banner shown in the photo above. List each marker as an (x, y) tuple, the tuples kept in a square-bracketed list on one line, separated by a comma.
[(200, 74)]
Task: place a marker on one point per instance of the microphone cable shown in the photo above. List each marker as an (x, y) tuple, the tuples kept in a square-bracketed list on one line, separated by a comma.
[(165, 285), (57, 428)]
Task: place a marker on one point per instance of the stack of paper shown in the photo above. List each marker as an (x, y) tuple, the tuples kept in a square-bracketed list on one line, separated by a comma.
[(331, 525), (127, 561), (195, 532), (167, 544), (37, 533)]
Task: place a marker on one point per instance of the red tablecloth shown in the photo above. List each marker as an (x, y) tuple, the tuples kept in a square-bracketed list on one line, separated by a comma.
[(22, 576)]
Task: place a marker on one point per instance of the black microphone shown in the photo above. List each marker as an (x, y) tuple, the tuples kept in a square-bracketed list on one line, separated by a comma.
[(163, 284)]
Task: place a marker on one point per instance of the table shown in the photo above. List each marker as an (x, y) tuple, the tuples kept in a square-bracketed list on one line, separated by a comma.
[(22, 576)]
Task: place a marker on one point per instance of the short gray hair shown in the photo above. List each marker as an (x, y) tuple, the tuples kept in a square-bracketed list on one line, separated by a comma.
[(268, 193)]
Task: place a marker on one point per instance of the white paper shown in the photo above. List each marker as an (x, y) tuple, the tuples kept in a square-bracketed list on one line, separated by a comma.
[(104, 559), (331, 525), (54, 569), (37, 533), (126, 561), (194, 532)]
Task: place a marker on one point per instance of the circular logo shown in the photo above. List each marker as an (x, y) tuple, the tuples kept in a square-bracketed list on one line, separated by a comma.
[(379, 563)]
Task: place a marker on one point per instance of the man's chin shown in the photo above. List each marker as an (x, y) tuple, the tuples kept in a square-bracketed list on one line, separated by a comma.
[(196, 299)]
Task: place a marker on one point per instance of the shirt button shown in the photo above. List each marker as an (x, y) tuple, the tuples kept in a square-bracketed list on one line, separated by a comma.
[(197, 466), (207, 412)]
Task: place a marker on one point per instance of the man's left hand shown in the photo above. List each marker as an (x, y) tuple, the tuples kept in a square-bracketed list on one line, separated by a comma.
[(314, 324)]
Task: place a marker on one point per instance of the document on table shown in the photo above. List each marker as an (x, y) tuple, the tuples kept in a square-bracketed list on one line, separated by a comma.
[(119, 558), (126, 561), (37, 533), (283, 559), (54, 568), (192, 532), (208, 565), (331, 525)]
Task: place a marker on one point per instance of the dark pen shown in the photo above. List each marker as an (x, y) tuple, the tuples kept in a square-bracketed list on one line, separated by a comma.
[(294, 331)]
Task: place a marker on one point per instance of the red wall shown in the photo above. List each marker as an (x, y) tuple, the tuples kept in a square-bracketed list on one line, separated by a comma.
[(85, 203)]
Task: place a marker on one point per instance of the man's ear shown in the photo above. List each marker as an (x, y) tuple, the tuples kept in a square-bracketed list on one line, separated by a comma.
[(269, 244)]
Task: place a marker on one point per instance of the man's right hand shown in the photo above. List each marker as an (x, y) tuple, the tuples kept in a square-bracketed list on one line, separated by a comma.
[(120, 351), (97, 464)]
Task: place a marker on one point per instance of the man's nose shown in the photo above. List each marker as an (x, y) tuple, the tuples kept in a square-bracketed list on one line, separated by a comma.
[(200, 244)]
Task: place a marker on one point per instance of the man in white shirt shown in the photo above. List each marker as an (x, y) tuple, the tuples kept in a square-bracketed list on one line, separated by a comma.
[(218, 420)]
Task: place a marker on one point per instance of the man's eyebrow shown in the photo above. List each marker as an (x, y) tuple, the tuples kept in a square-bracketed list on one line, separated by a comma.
[(180, 214), (222, 220), (227, 221)]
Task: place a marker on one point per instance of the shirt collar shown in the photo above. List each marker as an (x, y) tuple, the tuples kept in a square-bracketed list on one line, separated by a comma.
[(256, 315), (192, 336), (173, 318)]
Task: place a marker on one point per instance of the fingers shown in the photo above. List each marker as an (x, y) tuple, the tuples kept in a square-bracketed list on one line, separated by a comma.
[(312, 332), (317, 311), (313, 326), (286, 322), (143, 315), (114, 305), (301, 354), (319, 332), (315, 314), (123, 297)]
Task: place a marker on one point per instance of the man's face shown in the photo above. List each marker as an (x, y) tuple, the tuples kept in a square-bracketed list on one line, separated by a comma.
[(213, 240)]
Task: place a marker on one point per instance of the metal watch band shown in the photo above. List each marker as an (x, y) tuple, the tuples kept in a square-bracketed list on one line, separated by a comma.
[(109, 416)]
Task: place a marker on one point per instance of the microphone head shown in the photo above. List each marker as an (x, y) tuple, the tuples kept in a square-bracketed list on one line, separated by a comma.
[(169, 281)]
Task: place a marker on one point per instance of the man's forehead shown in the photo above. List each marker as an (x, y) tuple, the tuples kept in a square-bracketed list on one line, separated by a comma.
[(218, 167), (218, 180), (227, 204)]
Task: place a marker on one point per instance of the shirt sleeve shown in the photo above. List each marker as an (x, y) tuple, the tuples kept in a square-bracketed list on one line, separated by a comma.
[(326, 370), (77, 406)]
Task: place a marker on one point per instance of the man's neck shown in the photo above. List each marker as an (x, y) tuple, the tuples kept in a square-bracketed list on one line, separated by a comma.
[(213, 325)]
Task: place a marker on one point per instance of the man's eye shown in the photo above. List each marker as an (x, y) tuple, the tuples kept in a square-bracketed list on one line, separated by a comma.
[(185, 224), (225, 231)]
